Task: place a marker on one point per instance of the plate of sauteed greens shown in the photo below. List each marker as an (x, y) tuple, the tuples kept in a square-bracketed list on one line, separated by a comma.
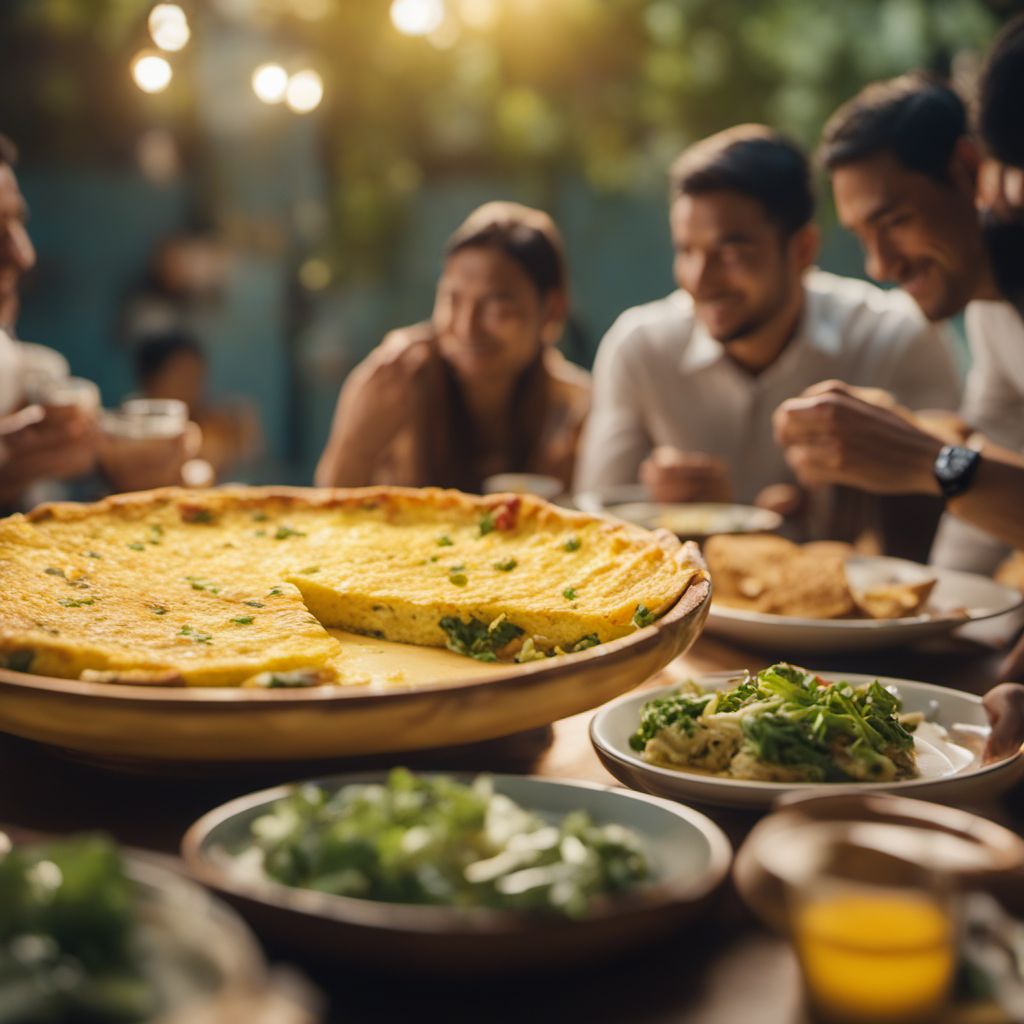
[(489, 872), (742, 739), (92, 934)]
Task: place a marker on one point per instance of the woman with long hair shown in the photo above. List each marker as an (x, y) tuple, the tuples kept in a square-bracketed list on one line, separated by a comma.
[(479, 389)]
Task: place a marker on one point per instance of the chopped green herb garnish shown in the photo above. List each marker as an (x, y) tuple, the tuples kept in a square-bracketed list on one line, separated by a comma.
[(137, 546), (584, 642), (198, 515), (274, 592), (255, 604), (52, 570), (572, 543), (196, 634), (642, 616), (569, 594), (478, 640), (156, 532), (284, 532), (94, 554), (444, 541), (434, 558), (243, 620), (76, 602), (201, 584), (507, 566), (260, 517), (460, 579), (18, 661), (285, 680), (158, 609), (310, 570), (486, 523)]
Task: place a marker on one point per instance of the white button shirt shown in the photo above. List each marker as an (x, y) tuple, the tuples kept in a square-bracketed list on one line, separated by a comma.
[(994, 406), (661, 379)]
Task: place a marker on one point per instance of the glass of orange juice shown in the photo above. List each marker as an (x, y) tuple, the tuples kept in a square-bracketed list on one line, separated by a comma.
[(876, 945)]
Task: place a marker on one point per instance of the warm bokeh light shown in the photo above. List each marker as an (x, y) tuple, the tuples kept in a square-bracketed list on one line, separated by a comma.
[(445, 37), (151, 72), (169, 27), (305, 91), (270, 83), (315, 274), (479, 14), (417, 17)]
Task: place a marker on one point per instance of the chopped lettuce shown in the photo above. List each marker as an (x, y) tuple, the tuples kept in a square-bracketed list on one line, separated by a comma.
[(433, 840)]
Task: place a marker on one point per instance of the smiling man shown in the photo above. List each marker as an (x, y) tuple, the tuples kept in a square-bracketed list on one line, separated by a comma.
[(905, 174), (684, 387)]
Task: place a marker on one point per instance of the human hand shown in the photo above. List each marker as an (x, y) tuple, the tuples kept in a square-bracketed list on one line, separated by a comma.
[(785, 499), (672, 475), (46, 443), (834, 437), (378, 395), (141, 463), (1004, 705)]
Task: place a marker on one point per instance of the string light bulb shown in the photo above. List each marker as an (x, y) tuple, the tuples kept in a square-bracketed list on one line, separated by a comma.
[(169, 27), (151, 72), (305, 91), (417, 17), (270, 83)]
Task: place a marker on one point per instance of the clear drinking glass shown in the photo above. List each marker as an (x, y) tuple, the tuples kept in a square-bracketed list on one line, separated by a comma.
[(66, 392), (876, 937), (143, 443)]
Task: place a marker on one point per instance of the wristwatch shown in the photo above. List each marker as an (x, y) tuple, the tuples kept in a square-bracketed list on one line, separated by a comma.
[(954, 469)]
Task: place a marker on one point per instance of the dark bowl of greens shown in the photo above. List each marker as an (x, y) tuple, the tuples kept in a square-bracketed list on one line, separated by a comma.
[(90, 934), (445, 873)]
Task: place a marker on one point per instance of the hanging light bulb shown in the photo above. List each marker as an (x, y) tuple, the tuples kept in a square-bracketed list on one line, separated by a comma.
[(169, 27), (305, 91), (151, 72), (270, 82), (417, 17)]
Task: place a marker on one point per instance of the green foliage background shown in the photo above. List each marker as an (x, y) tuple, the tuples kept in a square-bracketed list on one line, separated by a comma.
[(606, 90)]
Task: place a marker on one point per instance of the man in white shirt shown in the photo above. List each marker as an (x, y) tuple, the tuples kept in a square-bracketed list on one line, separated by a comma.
[(36, 443), (685, 387)]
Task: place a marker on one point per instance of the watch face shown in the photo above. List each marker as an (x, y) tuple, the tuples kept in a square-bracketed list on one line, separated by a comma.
[(954, 468), (953, 462)]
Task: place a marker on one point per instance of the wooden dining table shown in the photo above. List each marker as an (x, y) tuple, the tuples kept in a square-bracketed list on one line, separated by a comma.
[(724, 968)]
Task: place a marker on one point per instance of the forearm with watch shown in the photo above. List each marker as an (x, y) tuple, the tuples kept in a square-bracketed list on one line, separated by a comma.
[(983, 485)]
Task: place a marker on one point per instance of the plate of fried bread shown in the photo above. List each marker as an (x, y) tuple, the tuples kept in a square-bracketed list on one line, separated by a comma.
[(288, 623), (824, 597), (743, 739)]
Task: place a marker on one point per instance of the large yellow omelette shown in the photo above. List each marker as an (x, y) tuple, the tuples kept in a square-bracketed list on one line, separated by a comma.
[(242, 585)]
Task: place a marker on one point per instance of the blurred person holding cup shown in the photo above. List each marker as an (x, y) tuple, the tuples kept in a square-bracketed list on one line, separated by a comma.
[(47, 419)]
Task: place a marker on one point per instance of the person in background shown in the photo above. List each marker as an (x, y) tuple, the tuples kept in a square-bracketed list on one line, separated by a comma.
[(173, 365), (479, 389), (684, 387), (37, 442), (905, 176)]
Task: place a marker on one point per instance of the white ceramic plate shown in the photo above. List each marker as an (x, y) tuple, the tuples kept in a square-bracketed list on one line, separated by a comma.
[(697, 520), (691, 521), (688, 854), (959, 598), (952, 770)]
